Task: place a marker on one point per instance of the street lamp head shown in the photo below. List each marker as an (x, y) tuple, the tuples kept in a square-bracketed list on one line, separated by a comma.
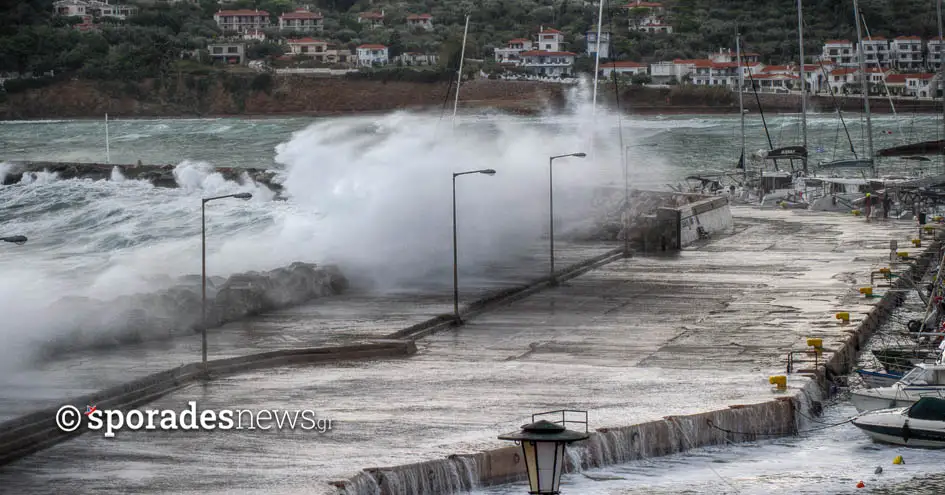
[(543, 448), (487, 171), (580, 155), (16, 239), (244, 195)]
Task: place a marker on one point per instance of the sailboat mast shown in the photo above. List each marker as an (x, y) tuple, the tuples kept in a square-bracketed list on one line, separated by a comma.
[(864, 79), (741, 103), (459, 74), (600, 26), (108, 152), (800, 41), (941, 54)]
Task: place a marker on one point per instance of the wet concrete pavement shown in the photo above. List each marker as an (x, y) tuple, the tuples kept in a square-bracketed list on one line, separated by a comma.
[(632, 341), (361, 314)]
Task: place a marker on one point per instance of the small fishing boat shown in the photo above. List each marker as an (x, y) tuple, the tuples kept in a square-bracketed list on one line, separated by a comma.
[(877, 379), (922, 424), (925, 380)]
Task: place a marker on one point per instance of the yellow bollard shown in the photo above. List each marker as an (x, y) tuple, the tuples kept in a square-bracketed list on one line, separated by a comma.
[(916, 242), (855, 213), (844, 317), (780, 381), (899, 460), (885, 271), (866, 291), (902, 255)]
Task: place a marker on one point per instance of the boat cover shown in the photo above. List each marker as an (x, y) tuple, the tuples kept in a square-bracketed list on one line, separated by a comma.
[(930, 408), (923, 148), (858, 163), (788, 153)]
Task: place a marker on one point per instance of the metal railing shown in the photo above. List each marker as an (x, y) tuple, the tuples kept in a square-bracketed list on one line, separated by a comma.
[(564, 417)]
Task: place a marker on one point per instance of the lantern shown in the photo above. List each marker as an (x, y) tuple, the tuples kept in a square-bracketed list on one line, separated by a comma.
[(543, 449)]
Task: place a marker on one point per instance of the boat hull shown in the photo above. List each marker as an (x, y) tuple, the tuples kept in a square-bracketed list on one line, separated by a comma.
[(875, 379), (894, 427)]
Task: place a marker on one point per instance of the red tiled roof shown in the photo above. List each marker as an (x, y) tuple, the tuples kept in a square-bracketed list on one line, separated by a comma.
[(876, 38), (550, 31), (536, 53), (843, 71), (520, 40), (373, 46), (370, 15), (243, 12), (724, 65), (302, 41), (622, 64), (910, 38), (301, 14), (896, 78), (415, 17), (776, 68), (838, 42), (920, 76)]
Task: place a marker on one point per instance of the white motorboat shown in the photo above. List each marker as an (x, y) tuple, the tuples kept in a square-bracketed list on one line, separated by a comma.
[(920, 425), (925, 380), (877, 379)]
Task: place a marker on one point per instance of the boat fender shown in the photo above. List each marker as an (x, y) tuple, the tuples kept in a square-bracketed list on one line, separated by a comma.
[(905, 431), (899, 460)]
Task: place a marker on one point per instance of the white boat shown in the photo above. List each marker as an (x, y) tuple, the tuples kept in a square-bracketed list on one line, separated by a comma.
[(925, 380), (922, 424), (877, 379)]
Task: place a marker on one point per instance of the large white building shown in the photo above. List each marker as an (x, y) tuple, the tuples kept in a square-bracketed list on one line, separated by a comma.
[(544, 57), (94, 8), (622, 67), (242, 21), (420, 21)]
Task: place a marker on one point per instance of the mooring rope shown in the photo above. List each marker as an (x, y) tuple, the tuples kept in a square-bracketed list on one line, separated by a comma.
[(713, 425)]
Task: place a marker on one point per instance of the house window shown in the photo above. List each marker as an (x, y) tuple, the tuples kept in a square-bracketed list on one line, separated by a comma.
[(547, 47), (232, 49), (218, 49)]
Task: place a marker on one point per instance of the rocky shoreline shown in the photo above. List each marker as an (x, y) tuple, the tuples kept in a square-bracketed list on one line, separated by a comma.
[(331, 97)]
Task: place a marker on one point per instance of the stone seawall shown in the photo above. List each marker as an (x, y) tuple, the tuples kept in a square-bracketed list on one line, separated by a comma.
[(159, 175), (25, 435), (783, 415)]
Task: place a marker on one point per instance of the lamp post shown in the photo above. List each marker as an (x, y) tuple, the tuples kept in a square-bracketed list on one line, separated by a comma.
[(551, 213), (203, 265), (457, 319), (543, 449), (626, 193), (15, 239)]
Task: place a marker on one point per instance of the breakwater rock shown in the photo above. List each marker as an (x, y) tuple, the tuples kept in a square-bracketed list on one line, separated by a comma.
[(97, 324), (159, 175)]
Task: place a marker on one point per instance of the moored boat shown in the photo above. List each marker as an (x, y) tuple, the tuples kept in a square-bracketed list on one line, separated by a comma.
[(921, 424)]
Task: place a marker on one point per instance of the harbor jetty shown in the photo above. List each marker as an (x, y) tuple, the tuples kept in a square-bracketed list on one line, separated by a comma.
[(667, 351), (159, 175)]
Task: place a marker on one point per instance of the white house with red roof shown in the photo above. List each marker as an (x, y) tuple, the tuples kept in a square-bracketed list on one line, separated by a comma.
[(649, 17), (307, 46), (896, 83), (548, 63), (906, 52), (420, 21), (242, 20), (550, 39), (374, 19), (590, 39), (876, 52), (935, 49), (842, 76), (302, 21), (623, 67), (775, 82), (511, 54), (840, 53), (372, 54), (921, 85), (416, 58)]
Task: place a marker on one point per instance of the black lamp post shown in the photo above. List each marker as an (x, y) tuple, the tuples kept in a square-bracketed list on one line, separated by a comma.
[(551, 212), (487, 171), (203, 263), (543, 449), (15, 239)]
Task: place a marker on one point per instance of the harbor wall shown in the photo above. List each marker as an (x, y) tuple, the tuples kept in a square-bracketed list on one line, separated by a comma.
[(785, 414), (36, 431), (712, 216)]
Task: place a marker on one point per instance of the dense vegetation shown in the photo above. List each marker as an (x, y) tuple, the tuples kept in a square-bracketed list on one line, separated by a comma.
[(152, 43)]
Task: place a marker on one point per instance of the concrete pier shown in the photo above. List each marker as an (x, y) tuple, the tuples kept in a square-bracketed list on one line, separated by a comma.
[(691, 334)]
